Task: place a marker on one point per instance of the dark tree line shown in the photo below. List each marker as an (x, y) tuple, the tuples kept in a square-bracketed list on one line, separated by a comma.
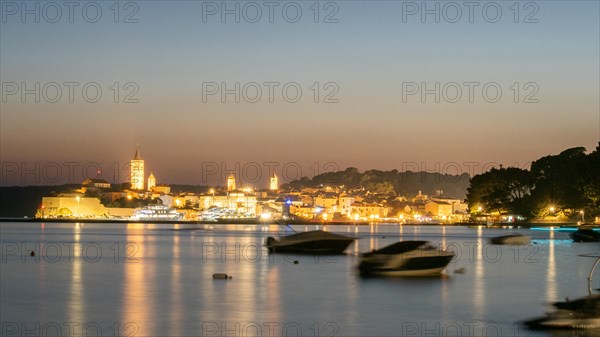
[(388, 182), (564, 184)]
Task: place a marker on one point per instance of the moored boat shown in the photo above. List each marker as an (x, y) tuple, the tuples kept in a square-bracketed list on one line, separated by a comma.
[(586, 235), (312, 242), (511, 239), (582, 313), (405, 258)]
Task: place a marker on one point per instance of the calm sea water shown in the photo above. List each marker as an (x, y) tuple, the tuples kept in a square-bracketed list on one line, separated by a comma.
[(156, 280)]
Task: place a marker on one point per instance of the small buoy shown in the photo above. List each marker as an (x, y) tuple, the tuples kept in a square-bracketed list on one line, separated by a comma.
[(460, 270), (32, 253), (221, 276), (296, 262)]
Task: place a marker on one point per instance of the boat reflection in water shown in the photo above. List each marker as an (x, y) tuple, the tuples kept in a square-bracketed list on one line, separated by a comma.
[(405, 258)]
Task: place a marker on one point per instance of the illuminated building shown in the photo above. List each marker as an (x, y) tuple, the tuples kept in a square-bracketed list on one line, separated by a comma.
[(238, 202), (151, 182), (73, 205), (137, 171), (438, 208), (231, 182), (273, 183)]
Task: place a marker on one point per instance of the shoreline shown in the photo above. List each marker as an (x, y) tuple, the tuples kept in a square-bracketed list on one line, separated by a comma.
[(323, 223)]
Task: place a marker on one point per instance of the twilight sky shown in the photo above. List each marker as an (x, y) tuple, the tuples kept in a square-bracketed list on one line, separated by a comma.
[(370, 66)]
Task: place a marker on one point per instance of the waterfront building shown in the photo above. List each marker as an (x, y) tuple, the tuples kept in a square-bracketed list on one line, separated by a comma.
[(368, 211), (437, 208), (326, 200), (235, 201), (345, 204), (72, 205)]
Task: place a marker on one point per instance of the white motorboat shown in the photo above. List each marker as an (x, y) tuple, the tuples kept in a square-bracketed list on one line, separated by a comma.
[(405, 258)]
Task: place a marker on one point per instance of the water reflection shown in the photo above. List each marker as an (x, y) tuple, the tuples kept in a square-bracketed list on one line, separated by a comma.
[(175, 291), (76, 291), (551, 286), (138, 296), (170, 290), (479, 279)]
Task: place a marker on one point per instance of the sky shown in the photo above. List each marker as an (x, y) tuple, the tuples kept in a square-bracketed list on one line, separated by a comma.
[(303, 88)]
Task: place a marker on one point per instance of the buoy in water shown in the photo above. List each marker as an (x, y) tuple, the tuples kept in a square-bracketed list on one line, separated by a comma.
[(296, 262), (32, 253), (221, 276)]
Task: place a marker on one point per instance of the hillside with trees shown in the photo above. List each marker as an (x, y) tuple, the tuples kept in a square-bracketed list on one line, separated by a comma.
[(388, 182), (562, 185)]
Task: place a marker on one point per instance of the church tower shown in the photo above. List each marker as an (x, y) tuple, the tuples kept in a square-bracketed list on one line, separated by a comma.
[(137, 171), (151, 182), (273, 182), (231, 182)]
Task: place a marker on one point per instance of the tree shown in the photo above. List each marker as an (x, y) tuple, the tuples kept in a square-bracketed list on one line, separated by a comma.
[(503, 190)]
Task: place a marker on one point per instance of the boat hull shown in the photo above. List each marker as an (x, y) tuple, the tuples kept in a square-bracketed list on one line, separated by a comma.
[(320, 247), (511, 240), (585, 236), (316, 242), (416, 263)]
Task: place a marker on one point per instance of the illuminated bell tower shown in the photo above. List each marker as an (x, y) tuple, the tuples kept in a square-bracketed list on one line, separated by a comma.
[(137, 171), (273, 182), (231, 182), (151, 182)]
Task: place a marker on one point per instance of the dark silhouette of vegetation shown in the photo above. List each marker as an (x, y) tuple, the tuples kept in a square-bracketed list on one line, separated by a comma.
[(563, 184), (388, 182), (20, 201)]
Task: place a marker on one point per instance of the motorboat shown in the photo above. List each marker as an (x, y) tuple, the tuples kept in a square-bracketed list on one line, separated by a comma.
[(405, 258), (311, 242), (511, 239), (581, 313), (586, 235)]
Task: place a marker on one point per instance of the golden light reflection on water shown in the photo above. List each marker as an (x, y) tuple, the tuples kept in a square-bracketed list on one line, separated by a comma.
[(479, 280), (273, 293), (355, 244), (551, 291), (138, 299), (76, 306), (176, 302)]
